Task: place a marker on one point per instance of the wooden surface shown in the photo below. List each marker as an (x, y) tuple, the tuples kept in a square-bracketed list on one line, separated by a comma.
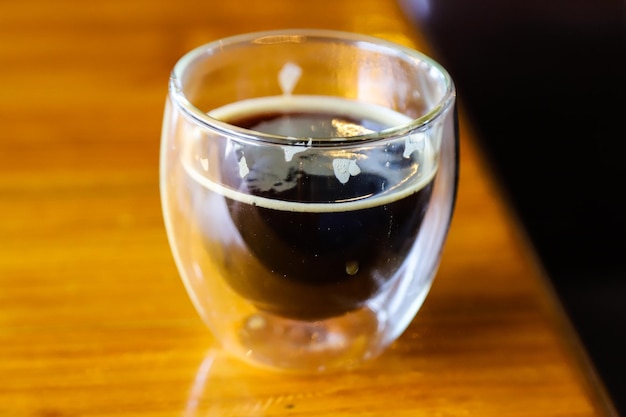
[(94, 320)]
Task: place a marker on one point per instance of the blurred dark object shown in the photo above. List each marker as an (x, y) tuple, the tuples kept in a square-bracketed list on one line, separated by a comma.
[(543, 84)]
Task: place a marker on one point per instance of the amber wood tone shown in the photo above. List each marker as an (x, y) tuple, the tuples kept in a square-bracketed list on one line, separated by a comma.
[(94, 320)]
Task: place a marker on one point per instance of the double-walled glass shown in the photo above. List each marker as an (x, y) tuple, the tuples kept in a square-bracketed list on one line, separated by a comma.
[(308, 180)]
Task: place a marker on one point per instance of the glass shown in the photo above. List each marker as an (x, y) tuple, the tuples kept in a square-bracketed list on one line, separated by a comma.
[(308, 180)]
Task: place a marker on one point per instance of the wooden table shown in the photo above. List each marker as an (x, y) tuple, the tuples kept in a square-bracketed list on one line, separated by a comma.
[(94, 320)]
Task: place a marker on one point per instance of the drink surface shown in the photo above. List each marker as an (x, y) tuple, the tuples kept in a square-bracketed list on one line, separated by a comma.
[(315, 230)]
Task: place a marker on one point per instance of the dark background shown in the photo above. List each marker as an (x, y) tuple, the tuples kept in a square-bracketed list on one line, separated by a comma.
[(543, 84)]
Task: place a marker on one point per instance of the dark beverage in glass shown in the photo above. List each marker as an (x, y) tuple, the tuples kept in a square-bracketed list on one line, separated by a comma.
[(309, 243)]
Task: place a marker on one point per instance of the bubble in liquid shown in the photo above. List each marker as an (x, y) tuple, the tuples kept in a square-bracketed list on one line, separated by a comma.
[(352, 267)]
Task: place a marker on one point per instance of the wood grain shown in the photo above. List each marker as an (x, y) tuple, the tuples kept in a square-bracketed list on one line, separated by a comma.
[(94, 320)]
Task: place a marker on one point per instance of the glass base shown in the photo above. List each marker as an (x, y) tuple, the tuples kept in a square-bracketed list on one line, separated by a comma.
[(316, 346)]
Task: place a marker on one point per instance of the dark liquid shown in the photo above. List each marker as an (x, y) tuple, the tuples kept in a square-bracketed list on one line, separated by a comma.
[(321, 264)]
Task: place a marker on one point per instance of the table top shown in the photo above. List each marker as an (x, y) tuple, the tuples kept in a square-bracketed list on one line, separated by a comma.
[(94, 319)]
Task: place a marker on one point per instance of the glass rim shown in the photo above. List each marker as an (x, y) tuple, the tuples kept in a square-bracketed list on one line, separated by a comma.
[(391, 48)]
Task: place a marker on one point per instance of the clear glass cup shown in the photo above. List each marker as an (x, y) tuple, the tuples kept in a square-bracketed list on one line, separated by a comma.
[(308, 181)]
